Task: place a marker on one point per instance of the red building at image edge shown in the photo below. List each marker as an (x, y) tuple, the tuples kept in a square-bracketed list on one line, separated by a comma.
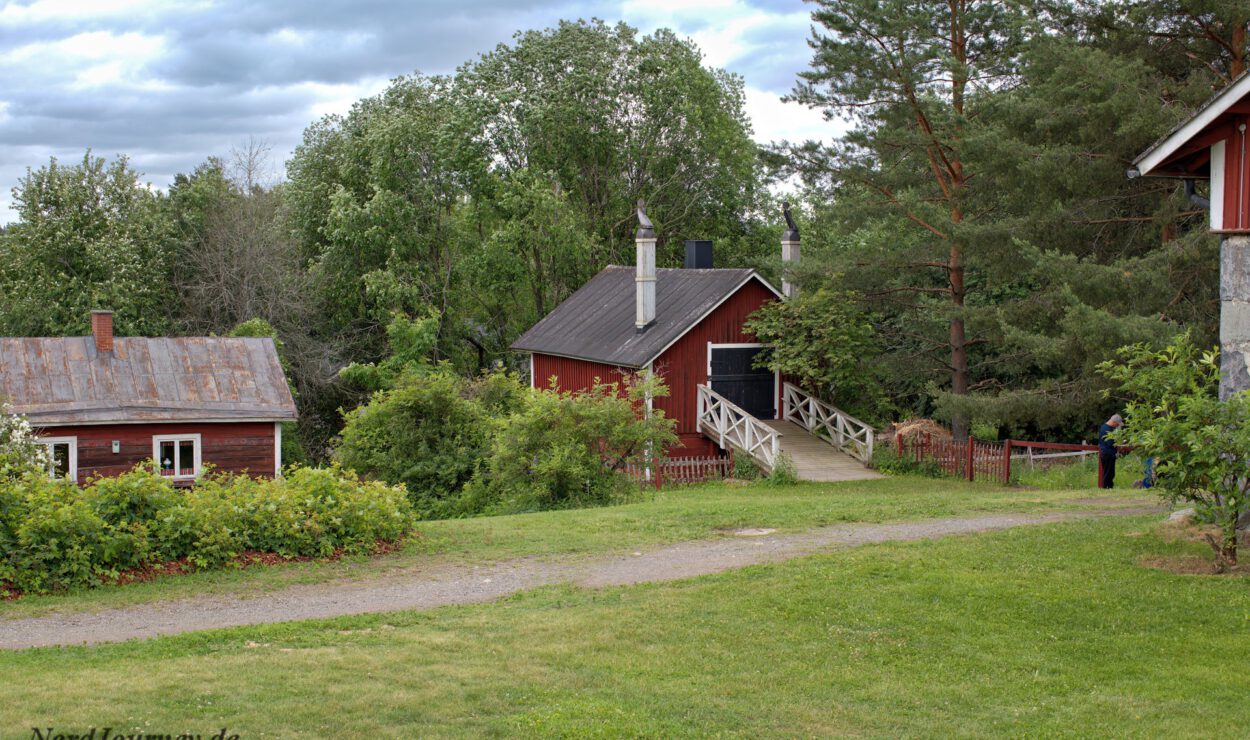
[(103, 404)]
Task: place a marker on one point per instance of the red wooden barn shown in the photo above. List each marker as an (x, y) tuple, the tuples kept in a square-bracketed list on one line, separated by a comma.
[(103, 404), (685, 325)]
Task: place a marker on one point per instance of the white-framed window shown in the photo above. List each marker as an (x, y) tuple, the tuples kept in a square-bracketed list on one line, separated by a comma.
[(62, 456), (177, 455)]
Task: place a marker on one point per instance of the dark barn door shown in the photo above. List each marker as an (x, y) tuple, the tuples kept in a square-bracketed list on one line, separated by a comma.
[(735, 377)]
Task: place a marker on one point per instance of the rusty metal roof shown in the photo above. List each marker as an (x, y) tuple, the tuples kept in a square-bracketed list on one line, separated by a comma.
[(65, 381), (597, 322)]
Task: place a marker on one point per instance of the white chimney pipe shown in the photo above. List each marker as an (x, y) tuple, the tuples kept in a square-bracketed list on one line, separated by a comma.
[(644, 279), (789, 252)]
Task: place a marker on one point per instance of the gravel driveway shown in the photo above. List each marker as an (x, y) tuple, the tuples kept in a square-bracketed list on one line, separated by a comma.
[(427, 588)]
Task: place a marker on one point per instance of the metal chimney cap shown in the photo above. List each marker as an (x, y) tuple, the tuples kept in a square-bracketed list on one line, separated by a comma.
[(646, 230), (792, 229)]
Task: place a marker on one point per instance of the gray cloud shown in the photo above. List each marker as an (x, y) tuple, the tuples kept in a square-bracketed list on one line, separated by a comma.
[(170, 86)]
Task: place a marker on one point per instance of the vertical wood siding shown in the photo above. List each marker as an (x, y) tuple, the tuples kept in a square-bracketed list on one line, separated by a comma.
[(237, 448), (683, 367), (573, 375), (1237, 179)]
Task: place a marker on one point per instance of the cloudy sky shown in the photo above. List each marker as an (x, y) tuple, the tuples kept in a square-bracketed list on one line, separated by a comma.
[(170, 83)]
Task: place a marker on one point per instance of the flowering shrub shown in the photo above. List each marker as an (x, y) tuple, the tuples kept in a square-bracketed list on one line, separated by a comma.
[(20, 450), (54, 535)]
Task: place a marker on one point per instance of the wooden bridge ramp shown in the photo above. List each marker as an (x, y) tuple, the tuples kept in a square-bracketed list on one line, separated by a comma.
[(815, 459), (823, 442)]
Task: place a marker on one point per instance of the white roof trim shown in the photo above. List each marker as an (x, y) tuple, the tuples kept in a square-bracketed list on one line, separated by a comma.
[(751, 275), (1215, 107)]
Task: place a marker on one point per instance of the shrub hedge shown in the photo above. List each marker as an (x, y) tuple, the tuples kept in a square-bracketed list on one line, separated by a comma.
[(54, 535)]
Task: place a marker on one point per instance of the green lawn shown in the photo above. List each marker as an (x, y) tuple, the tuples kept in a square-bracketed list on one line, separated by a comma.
[(1038, 631), (1076, 472), (667, 517)]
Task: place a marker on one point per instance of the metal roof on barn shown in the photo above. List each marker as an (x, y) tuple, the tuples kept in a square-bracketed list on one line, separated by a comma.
[(61, 381), (597, 322)]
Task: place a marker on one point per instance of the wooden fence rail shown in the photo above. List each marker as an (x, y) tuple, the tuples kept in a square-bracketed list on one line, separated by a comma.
[(731, 427), (681, 472), (829, 423), (974, 458)]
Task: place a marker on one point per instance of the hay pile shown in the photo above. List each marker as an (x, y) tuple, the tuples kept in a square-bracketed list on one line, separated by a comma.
[(913, 429)]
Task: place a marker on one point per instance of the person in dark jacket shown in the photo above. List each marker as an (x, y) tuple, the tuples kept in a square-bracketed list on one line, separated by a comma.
[(1106, 451)]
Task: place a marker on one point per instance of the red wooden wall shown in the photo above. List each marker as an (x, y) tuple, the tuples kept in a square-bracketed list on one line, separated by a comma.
[(573, 375), (1236, 178), (683, 367), (231, 447)]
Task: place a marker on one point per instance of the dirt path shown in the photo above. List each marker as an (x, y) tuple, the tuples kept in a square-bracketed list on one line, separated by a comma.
[(427, 588)]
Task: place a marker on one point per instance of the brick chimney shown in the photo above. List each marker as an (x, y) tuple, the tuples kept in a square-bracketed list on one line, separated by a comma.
[(789, 252), (644, 279), (102, 330)]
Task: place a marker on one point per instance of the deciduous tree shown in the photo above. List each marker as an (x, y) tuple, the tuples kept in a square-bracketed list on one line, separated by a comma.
[(1201, 445), (88, 236)]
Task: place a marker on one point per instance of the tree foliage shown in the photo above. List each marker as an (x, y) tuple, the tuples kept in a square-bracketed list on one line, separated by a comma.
[(88, 236), (915, 82), (1201, 445), (981, 190), (825, 342), (614, 117)]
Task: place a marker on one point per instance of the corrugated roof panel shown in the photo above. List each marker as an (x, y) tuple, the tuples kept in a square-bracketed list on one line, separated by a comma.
[(65, 381)]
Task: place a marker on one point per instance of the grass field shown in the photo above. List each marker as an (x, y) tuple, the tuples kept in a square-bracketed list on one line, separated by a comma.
[(1039, 631), (661, 518), (1077, 472)]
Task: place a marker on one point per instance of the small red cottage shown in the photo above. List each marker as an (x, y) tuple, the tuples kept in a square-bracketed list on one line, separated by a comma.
[(103, 404), (685, 325)]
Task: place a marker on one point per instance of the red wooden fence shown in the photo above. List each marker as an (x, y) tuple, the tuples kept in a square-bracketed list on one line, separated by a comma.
[(975, 458), (959, 459), (681, 472)]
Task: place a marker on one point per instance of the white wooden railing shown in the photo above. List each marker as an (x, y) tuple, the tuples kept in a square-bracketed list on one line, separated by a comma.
[(730, 426), (840, 429)]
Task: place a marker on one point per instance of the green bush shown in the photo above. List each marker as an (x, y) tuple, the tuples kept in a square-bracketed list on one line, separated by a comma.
[(55, 535), (784, 473), (745, 467), (431, 432), (564, 450), (57, 539), (887, 460)]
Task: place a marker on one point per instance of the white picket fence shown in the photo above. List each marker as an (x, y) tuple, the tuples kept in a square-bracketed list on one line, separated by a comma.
[(730, 426), (840, 429)]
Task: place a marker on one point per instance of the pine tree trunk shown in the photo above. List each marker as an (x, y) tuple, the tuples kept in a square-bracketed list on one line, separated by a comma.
[(958, 342), (958, 337)]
